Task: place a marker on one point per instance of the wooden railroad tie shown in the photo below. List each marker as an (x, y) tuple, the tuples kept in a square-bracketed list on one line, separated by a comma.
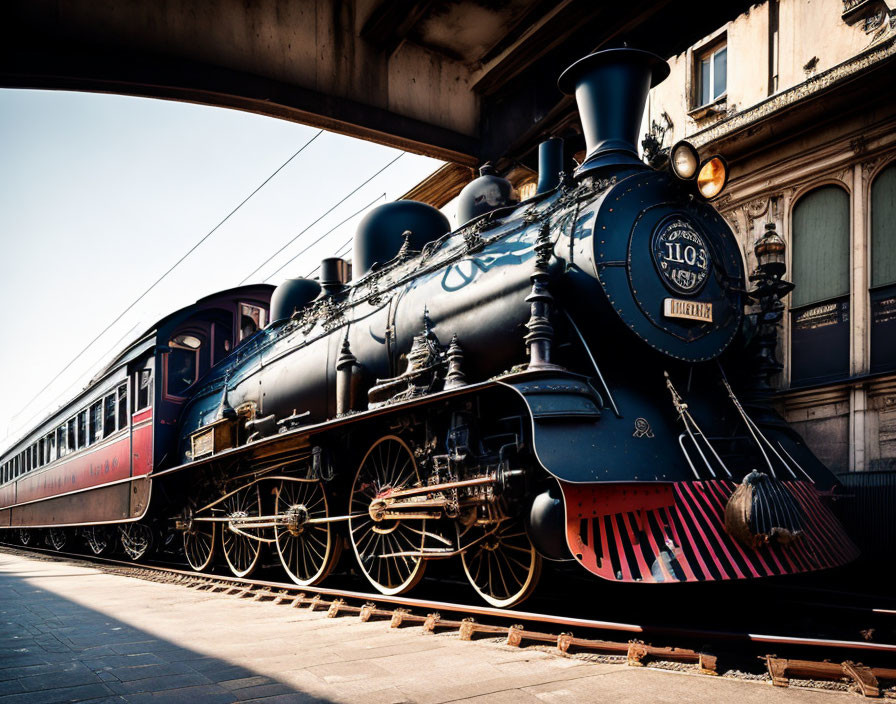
[(866, 679)]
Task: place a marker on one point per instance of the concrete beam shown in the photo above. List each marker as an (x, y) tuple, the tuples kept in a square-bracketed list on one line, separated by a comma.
[(461, 80), (299, 61)]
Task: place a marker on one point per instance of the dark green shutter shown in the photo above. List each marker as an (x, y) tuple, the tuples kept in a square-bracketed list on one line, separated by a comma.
[(819, 333), (821, 246), (883, 227), (883, 271)]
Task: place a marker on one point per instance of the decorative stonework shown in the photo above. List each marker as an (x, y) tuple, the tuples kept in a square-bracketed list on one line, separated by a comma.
[(871, 165)]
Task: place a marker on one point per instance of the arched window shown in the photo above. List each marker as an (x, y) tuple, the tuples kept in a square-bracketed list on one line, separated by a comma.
[(883, 270), (820, 301)]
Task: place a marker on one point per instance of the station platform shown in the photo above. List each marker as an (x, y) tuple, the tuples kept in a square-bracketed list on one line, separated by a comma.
[(72, 632)]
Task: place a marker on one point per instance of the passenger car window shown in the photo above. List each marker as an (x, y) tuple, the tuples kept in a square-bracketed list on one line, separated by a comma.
[(108, 415), (72, 435), (96, 422), (122, 406), (82, 429), (144, 389)]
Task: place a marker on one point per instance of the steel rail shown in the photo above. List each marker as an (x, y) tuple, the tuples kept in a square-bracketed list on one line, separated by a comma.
[(492, 612)]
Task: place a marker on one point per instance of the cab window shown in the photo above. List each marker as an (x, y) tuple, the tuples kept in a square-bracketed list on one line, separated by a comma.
[(183, 364), (252, 318)]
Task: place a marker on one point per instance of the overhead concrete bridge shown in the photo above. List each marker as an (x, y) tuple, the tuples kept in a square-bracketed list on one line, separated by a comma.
[(461, 80)]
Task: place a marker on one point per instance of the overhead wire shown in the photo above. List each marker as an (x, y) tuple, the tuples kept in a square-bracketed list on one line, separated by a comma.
[(321, 217), (168, 271), (381, 196), (346, 246), (68, 388)]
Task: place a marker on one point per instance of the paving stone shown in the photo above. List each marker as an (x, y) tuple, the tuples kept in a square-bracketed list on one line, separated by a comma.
[(62, 694), (183, 695), (10, 687), (261, 691), (63, 677), (142, 672), (244, 682), (111, 662), (159, 684)]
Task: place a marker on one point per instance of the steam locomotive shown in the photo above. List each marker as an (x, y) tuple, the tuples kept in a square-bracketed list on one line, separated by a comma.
[(554, 380)]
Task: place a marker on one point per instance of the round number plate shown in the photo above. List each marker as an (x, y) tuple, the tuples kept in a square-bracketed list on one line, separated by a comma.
[(681, 255)]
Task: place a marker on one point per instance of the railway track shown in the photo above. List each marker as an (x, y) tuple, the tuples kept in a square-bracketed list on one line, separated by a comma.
[(868, 668)]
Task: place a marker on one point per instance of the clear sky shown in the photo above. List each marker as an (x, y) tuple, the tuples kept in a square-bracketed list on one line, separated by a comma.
[(100, 194)]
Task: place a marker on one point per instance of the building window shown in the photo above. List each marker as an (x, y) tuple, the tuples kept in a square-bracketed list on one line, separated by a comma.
[(712, 74), (883, 271), (820, 303)]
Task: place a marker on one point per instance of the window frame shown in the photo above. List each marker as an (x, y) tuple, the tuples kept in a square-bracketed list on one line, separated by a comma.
[(710, 56), (109, 428), (166, 358), (260, 325), (696, 109), (122, 419), (875, 290), (792, 311), (138, 376)]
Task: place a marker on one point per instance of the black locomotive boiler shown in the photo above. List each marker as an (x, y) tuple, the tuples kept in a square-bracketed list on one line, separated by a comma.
[(567, 378)]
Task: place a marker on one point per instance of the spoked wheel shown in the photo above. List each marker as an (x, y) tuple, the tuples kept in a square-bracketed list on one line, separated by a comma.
[(380, 546), (307, 551), (25, 537), (56, 538), (136, 539), (500, 562), (241, 549), (199, 541), (98, 538)]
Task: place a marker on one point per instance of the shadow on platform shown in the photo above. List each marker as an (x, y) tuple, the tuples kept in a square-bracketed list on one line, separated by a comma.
[(53, 649)]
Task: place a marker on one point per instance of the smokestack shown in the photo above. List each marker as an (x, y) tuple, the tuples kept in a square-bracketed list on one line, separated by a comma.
[(334, 273), (611, 91)]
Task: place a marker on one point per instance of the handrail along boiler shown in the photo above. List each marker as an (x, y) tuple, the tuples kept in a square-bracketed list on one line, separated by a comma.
[(555, 380)]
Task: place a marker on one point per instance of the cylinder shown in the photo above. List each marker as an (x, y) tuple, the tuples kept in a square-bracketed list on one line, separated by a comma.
[(550, 164), (333, 274)]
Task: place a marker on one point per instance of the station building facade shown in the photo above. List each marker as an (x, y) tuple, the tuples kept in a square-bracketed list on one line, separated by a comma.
[(800, 97)]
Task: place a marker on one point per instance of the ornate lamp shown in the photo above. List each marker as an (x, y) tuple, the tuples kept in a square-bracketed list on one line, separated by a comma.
[(768, 290), (770, 249)]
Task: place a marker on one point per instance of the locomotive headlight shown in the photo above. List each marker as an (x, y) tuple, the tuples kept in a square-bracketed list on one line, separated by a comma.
[(684, 160), (712, 177)]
